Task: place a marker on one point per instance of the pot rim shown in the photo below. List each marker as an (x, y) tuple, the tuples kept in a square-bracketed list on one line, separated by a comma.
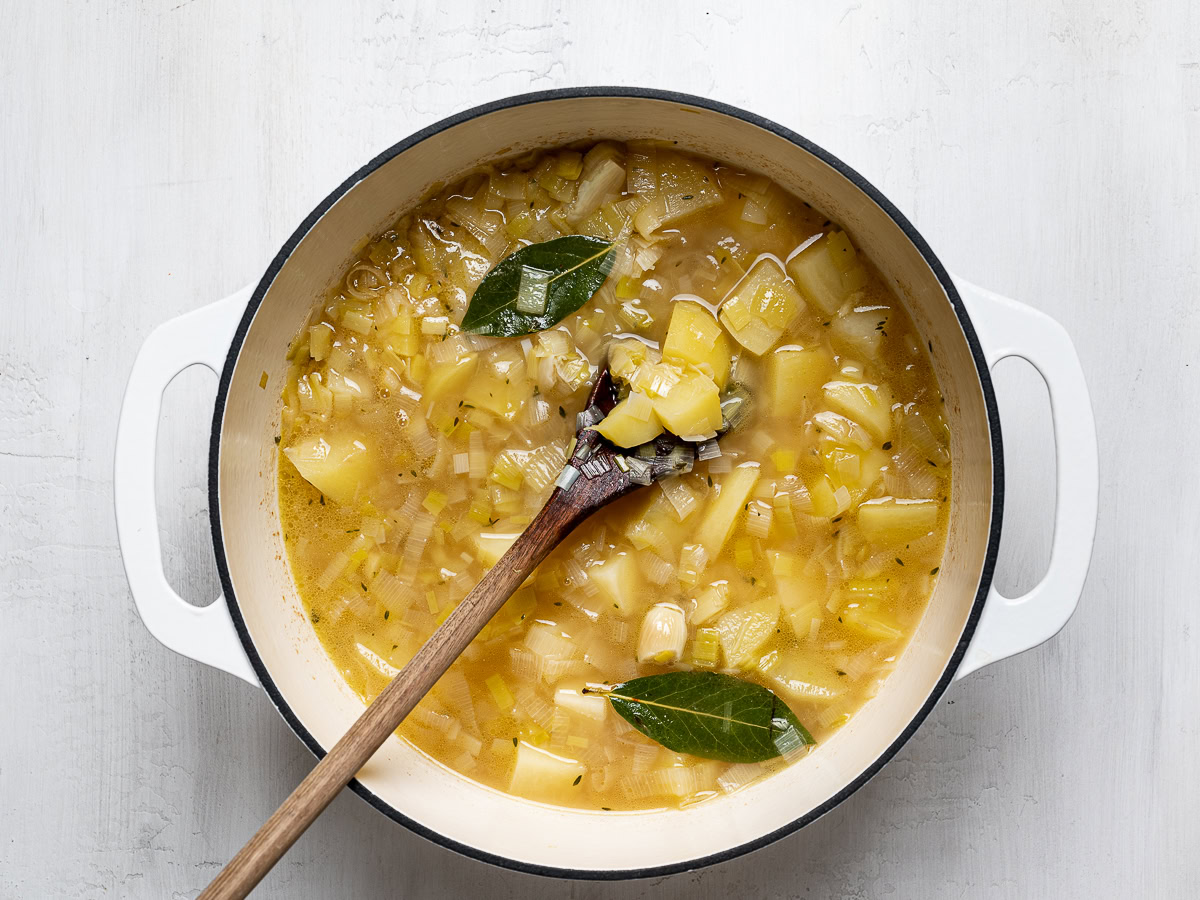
[(577, 93)]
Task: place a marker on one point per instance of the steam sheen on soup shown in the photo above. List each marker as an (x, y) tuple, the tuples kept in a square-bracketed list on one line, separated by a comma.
[(413, 454)]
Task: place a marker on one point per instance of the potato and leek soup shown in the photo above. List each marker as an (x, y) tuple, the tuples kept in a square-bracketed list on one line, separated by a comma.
[(799, 552)]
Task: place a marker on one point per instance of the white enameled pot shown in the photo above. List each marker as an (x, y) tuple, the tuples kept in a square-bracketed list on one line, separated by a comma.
[(258, 631)]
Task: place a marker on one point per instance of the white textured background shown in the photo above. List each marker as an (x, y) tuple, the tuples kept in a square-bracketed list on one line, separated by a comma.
[(153, 157)]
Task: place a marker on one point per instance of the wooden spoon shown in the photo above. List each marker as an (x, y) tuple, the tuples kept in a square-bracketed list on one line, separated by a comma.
[(604, 475)]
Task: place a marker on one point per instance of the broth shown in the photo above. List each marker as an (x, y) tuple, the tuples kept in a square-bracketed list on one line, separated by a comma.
[(801, 557)]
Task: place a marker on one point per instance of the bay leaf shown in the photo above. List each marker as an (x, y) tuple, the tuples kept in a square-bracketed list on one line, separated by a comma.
[(577, 266), (709, 714)]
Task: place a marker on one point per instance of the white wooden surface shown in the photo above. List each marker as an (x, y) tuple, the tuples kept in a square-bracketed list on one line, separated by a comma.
[(156, 155)]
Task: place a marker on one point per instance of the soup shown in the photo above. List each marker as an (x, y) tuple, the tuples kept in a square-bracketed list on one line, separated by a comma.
[(798, 553)]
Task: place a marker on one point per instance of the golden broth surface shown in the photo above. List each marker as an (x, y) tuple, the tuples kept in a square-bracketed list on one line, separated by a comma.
[(429, 450)]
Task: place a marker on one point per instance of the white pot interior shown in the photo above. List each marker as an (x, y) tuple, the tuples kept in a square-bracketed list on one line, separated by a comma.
[(441, 801)]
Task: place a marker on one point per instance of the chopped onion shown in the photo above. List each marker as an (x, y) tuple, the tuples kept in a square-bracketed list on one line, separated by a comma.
[(548, 642), (534, 706), (462, 463), (419, 437), (333, 571), (531, 295), (640, 471), (753, 213), (392, 592), (567, 477), (476, 456), (525, 664), (414, 547), (589, 417), (596, 467), (720, 465), (758, 519), (578, 576), (681, 497), (644, 756), (739, 775), (657, 570)]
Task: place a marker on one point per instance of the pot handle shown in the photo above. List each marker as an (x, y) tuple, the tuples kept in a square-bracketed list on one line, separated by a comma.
[(202, 633), (1011, 625)]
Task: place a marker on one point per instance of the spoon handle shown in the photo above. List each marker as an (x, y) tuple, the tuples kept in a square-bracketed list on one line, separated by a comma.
[(562, 512)]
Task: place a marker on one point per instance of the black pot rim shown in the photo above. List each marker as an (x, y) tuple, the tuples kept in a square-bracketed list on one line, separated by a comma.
[(866, 187)]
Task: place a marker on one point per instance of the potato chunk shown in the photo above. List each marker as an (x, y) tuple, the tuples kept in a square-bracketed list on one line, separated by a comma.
[(695, 338), (867, 404), (723, 510), (761, 306), (803, 678), (627, 426), (541, 774), (450, 379), (827, 271), (796, 377), (745, 629), (337, 465), (618, 580), (691, 408), (888, 520)]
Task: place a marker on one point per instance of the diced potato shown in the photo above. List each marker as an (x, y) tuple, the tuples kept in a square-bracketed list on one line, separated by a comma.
[(760, 307), (892, 521), (570, 696), (491, 545), (724, 509), (796, 377), (827, 271), (625, 428), (692, 408), (338, 465), (684, 187), (541, 774), (450, 379), (869, 620), (501, 397), (618, 580), (825, 503), (695, 337), (869, 405), (663, 635), (861, 331), (799, 676), (744, 630)]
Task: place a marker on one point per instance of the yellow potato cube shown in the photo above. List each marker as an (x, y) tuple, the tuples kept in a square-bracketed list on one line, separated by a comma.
[(888, 520), (695, 337), (826, 271), (450, 379), (692, 408), (795, 377), (867, 404), (801, 677), (625, 428), (744, 630), (337, 465), (723, 509), (619, 582), (761, 306)]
